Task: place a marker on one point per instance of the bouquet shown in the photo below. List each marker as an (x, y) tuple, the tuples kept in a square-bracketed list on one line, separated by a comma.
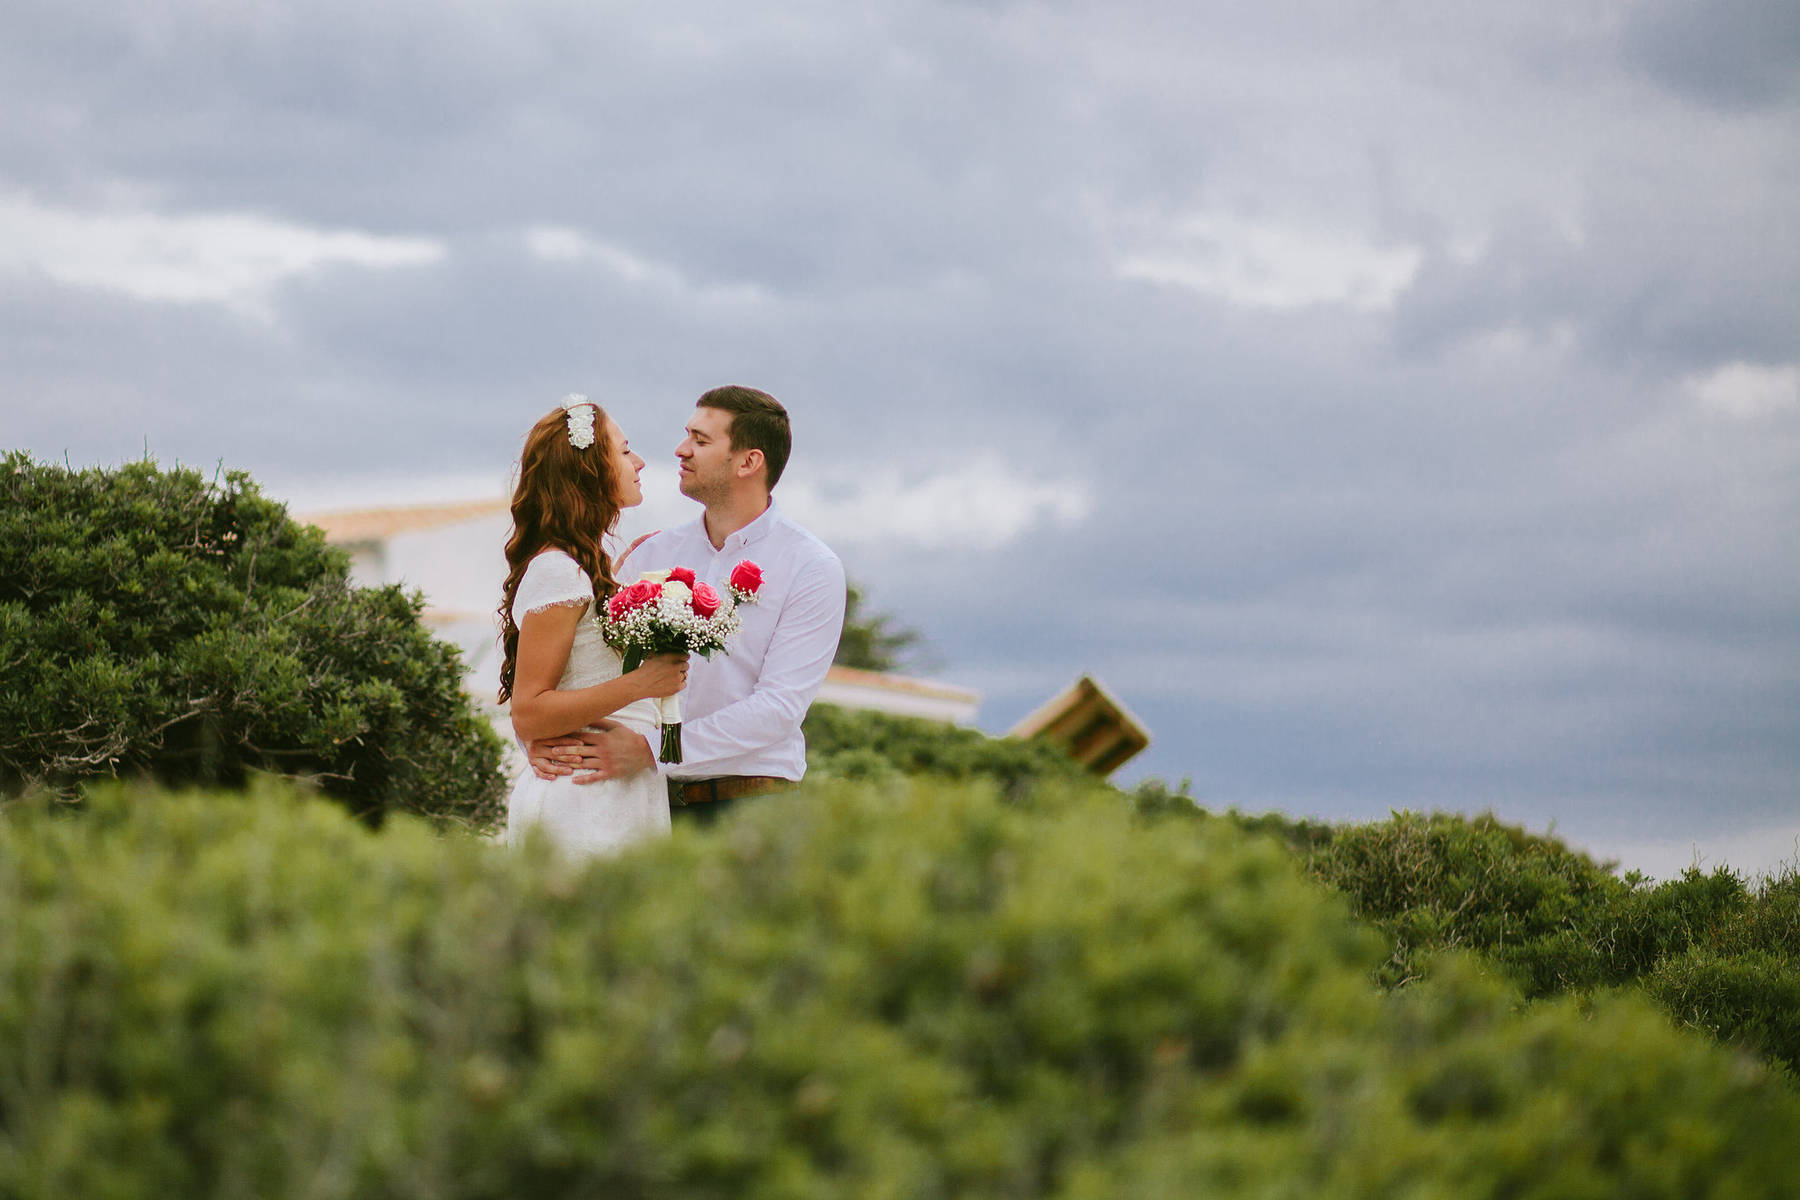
[(672, 612)]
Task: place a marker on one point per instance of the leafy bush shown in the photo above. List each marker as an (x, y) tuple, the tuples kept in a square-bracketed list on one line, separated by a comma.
[(1649, 924), (857, 744), (1717, 954), (926, 992), (1720, 955), (1750, 998), (1302, 835), (155, 622), (1449, 882), (1474, 1100)]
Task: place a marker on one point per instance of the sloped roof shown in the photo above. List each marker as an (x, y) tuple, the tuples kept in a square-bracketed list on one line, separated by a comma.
[(377, 524), (1097, 730)]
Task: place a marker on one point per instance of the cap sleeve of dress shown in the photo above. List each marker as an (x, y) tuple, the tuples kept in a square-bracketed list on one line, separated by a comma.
[(551, 579)]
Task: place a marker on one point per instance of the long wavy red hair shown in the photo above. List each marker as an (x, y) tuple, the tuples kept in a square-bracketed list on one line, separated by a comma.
[(566, 499)]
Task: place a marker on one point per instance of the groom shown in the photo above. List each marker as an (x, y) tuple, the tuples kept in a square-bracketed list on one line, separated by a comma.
[(741, 712)]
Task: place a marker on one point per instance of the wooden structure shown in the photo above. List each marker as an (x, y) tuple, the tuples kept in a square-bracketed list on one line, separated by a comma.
[(1091, 724)]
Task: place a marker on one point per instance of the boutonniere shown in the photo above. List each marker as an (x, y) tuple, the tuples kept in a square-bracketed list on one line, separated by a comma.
[(746, 581)]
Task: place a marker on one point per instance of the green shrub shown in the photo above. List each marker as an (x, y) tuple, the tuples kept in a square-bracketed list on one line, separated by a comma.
[(153, 622), (861, 746), (1650, 923), (1474, 1100), (847, 992), (1549, 919), (1772, 920), (873, 746), (1720, 955), (1751, 998), (1448, 882), (1302, 835), (1717, 954)]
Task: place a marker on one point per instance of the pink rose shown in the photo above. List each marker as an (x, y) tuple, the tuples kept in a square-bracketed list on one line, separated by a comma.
[(706, 601), (633, 598), (681, 575), (746, 577)]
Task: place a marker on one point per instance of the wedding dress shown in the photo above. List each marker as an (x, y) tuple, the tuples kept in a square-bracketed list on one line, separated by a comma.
[(590, 818)]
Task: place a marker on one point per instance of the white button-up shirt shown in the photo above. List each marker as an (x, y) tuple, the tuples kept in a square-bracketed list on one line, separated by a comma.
[(741, 711)]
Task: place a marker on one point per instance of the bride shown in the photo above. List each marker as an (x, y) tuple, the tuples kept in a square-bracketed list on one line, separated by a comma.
[(576, 474)]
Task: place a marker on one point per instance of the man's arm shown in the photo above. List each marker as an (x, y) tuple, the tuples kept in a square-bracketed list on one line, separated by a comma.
[(800, 653)]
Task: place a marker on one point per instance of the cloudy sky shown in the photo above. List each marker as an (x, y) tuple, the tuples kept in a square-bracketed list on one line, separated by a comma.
[(1396, 404)]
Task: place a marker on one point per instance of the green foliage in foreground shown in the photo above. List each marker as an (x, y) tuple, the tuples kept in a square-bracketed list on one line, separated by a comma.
[(920, 991), (1718, 954), (155, 622)]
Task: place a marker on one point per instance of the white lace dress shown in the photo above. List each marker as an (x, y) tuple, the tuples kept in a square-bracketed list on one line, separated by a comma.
[(589, 818)]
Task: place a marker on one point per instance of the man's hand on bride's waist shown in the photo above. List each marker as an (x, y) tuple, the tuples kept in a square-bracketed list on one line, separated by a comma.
[(604, 750)]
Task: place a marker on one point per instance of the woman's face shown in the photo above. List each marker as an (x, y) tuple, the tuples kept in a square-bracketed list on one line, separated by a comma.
[(626, 465)]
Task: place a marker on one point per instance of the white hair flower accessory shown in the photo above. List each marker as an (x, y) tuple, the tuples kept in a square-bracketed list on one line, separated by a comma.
[(581, 412)]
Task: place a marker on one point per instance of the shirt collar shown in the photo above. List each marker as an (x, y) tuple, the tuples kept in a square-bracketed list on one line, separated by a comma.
[(742, 537), (754, 530)]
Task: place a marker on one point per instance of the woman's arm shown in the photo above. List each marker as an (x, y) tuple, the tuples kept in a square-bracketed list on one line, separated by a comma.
[(539, 710)]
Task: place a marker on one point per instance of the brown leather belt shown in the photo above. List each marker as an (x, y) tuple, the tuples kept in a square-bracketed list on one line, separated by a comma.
[(725, 787)]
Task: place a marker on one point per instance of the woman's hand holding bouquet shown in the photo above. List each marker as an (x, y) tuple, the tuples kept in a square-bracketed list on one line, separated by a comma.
[(671, 613)]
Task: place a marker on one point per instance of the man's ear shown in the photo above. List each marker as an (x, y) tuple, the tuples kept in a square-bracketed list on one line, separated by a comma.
[(753, 462)]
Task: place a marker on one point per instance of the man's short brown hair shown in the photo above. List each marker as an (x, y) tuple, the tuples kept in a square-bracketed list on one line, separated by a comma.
[(758, 422)]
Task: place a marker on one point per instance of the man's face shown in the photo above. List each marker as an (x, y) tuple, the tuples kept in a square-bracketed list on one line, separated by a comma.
[(708, 465)]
